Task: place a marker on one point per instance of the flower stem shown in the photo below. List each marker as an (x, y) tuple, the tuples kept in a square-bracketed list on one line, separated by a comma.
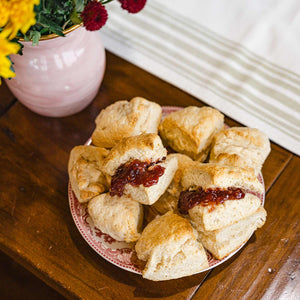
[(107, 1), (65, 25)]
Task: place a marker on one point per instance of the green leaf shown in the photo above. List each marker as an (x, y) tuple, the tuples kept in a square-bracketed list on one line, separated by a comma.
[(75, 19), (79, 5), (35, 37), (48, 23), (11, 66), (44, 31), (53, 16), (38, 8)]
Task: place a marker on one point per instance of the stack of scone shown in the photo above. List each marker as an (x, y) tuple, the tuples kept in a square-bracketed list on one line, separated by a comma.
[(215, 205), (223, 204)]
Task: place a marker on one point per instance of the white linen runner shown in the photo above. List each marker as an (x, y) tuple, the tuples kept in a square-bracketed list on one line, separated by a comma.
[(241, 57)]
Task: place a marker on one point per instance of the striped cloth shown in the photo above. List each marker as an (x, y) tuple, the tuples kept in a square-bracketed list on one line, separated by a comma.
[(218, 64)]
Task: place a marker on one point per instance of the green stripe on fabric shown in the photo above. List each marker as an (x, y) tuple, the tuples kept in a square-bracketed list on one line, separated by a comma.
[(233, 46), (264, 116), (237, 88), (222, 65), (228, 55)]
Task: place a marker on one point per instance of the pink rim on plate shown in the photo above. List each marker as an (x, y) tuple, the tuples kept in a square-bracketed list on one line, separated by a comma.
[(121, 253)]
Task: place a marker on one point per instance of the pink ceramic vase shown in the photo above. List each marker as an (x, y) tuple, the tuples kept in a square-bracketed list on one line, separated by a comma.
[(60, 76)]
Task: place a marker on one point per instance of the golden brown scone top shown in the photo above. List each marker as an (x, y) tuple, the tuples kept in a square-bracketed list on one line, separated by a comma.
[(120, 217), (86, 177), (240, 146), (171, 249), (168, 201), (184, 162), (165, 229), (211, 175), (125, 118), (145, 147), (190, 130)]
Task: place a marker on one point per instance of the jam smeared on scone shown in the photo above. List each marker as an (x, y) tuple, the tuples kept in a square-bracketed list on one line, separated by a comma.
[(188, 199), (138, 166), (136, 173)]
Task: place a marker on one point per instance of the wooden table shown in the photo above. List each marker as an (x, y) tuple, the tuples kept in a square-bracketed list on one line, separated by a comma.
[(37, 230)]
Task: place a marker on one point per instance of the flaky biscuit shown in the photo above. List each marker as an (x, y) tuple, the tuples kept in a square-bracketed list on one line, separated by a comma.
[(119, 217), (149, 195), (204, 218), (168, 201), (125, 118), (190, 130), (210, 175), (170, 247), (86, 177), (241, 147), (224, 241), (216, 216), (144, 147)]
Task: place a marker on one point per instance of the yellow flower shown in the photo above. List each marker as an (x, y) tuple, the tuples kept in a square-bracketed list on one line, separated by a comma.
[(7, 48), (17, 15), (4, 12)]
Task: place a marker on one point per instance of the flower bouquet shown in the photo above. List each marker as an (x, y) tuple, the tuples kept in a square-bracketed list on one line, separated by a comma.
[(58, 62), (32, 19)]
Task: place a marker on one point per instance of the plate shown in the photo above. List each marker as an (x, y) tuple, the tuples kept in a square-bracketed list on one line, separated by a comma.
[(118, 253)]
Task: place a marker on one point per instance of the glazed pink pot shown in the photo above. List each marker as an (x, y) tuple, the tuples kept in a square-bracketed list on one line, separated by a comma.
[(60, 76)]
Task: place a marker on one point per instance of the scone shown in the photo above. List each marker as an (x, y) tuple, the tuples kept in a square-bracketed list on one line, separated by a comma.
[(190, 130), (217, 196), (138, 166), (241, 147), (224, 241), (170, 247), (120, 217), (85, 174), (125, 118), (168, 201)]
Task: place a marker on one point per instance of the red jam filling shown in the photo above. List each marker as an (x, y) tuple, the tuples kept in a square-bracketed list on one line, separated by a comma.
[(135, 173), (189, 199)]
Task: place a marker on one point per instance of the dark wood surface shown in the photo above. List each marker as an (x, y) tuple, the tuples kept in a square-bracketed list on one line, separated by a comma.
[(268, 267), (7, 99), (37, 230), (18, 283)]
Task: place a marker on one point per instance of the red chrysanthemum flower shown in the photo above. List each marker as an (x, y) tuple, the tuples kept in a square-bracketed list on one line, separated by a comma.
[(94, 16), (133, 6)]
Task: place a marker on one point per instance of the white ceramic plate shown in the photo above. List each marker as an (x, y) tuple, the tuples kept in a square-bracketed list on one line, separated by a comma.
[(122, 254)]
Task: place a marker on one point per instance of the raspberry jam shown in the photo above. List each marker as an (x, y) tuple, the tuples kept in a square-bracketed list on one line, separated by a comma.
[(189, 199), (135, 173)]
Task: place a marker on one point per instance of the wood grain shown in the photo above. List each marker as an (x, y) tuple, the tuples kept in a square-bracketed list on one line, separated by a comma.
[(268, 267), (36, 207), (36, 227), (38, 230), (18, 283), (7, 99), (275, 164)]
